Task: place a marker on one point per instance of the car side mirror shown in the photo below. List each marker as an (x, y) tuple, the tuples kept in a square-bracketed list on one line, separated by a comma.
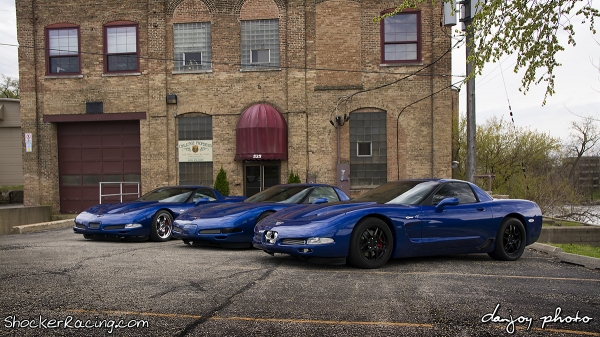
[(320, 201), (447, 202), (201, 201)]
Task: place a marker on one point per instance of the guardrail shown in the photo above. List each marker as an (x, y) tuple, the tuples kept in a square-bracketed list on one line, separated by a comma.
[(120, 194)]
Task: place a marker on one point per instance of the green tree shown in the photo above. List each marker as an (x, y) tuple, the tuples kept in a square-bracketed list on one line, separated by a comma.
[(526, 28), (293, 178), (524, 163), (9, 87), (221, 183)]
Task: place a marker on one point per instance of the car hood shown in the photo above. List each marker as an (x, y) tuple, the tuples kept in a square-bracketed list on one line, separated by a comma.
[(220, 210), (124, 207), (321, 211)]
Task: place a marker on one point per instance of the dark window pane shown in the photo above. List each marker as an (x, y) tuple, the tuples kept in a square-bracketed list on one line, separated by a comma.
[(364, 149), (91, 179), (192, 59), (122, 62), (132, 177), (66, 64), (71, 180)]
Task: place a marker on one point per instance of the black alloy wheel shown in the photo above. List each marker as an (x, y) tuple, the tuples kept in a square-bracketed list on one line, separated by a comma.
[(510, 240), (371, 244)]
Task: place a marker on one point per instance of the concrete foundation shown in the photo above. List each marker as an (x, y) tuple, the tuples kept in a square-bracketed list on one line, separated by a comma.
[(583, 235), (16, 216)]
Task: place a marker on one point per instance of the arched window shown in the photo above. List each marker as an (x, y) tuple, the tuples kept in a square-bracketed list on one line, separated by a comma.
[(368, 148)]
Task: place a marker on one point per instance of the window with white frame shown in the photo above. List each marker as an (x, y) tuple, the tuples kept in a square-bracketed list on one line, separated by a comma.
[(121, 48), (62, 54), (260, 44), (368, 144), (192, 46)]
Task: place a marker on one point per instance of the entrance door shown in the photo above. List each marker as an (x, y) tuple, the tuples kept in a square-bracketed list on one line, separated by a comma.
[(260, 176)]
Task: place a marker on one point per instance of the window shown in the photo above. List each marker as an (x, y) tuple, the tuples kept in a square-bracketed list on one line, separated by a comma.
[(462, 191), (193, 127), (368, 139), (322, 192), (401, 38), (121, 47), (192, 46), (363, 149), (260, 44), (62, 52)]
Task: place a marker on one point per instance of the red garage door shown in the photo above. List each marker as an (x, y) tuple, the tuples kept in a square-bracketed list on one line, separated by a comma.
[(91, 152)]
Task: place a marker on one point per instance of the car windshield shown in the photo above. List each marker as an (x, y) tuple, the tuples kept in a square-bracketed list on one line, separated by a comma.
[(282, 194), (168, 194), (399, 192)]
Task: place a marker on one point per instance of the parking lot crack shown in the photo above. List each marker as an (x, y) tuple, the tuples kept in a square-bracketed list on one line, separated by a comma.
[(210, 313)]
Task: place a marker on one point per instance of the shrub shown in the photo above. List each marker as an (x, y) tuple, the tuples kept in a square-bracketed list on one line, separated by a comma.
[(293, 178), (221, 183)]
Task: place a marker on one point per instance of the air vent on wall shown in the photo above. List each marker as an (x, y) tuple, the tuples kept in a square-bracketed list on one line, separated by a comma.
[(93, 108)]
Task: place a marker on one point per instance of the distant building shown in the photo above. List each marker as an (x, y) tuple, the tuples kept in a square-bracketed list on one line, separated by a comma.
[(11, 143), (586, 175), (168, 92)]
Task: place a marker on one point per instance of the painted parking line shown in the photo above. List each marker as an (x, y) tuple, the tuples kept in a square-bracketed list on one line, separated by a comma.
[(425, 273), (307, 321)]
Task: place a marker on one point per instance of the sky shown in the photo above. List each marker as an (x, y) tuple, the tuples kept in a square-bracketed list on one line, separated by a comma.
[(577, 82)]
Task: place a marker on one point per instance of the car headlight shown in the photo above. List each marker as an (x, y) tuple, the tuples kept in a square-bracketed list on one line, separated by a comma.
[(271, 237), (133, 225), (318, 241)]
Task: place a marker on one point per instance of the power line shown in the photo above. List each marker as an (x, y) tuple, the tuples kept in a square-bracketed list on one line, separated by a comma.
[(240, 64), (345, 99)]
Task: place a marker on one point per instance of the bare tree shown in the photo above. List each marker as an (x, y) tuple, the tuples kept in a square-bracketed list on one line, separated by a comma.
[(9, 87), (583, 140)]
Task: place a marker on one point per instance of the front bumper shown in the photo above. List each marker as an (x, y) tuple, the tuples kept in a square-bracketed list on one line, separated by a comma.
[(299, 247), (195, 233), (107, 227)]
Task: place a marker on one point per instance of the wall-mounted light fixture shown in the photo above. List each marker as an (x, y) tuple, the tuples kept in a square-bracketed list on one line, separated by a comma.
[(172, 99)]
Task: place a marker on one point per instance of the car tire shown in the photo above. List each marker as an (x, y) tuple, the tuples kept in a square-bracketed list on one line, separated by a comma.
[(510, 240), (162, 226), (371, 244), (262, 216)]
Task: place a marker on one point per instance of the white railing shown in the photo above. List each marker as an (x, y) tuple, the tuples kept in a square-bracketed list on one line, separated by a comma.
[(120, 194)]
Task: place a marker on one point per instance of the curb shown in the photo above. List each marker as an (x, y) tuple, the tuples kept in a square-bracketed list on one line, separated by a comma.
[(585, 261), (42, 226)]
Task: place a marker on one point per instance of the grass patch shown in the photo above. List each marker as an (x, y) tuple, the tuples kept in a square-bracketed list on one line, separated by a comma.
[(558, 222), (585, 250)]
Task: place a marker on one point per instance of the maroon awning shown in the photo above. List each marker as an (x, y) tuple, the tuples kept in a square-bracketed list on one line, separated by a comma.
[(261, 134)]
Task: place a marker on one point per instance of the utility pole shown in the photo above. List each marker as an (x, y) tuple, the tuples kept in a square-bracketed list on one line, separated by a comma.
[(471, 120), (468, 9)]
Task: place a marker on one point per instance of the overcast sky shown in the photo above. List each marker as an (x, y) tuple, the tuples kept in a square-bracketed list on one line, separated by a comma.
[(577, 82)]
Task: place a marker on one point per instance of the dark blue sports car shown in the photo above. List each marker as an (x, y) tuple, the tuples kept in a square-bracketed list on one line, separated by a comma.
[(403, 219), (233, 224), (149, 216)]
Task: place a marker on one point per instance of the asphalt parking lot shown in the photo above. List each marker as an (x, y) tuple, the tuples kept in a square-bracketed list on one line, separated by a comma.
[(57, 283)]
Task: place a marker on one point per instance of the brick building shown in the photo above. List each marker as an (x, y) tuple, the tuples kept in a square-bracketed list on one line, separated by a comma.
[(168, 92)]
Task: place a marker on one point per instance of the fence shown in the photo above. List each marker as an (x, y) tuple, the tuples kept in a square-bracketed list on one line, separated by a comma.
[(120, 194)]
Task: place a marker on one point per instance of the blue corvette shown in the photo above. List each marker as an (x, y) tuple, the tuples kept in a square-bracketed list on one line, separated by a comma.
[(402, 219), (233, 224), (149, 216)]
